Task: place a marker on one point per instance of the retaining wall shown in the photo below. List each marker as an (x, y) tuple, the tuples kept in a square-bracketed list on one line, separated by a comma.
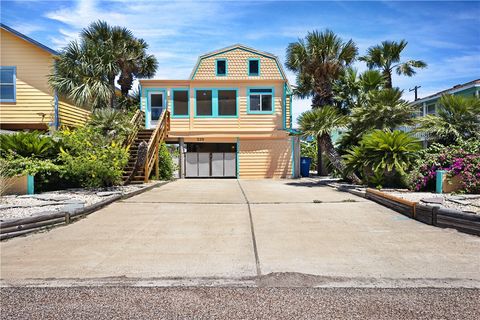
[(432, 215)]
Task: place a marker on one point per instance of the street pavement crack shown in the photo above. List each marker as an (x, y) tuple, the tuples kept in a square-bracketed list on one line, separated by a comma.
[(252, 229)]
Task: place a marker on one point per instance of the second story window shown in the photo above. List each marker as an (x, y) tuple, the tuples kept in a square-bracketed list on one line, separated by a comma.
[(221, 67), (260, 100), (7, 84), (254, 67), (204, 102)]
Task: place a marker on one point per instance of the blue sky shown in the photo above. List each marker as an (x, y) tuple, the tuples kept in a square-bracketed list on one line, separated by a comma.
[(444, 34)]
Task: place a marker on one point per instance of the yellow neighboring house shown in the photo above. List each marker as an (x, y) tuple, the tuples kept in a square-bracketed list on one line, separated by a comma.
[(232, 118), (26, 100)]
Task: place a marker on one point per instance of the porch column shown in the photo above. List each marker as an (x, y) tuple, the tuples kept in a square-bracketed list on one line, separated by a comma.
[(181, 159)]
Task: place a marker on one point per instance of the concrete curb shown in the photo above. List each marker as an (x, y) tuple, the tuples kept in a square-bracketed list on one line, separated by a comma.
[(24, 226)]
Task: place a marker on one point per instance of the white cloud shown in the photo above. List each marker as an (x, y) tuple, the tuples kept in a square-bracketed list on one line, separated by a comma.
[(27, 28)]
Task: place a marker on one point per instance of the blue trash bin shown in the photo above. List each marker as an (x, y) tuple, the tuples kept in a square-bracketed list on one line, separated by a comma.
[(305, 166)]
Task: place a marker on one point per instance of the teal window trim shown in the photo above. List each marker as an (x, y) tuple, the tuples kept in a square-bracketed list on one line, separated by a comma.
[(215, 103), (173, 115), (14, 83), (291, 114), (248, 67), (216, 67), (147, 104), (261, 112)]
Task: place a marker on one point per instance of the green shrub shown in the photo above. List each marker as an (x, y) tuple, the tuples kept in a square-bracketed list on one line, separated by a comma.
[(91, 159), (383, 157), (29, 144), (461, 160), (166, 165), (111, 123), (46, 172)]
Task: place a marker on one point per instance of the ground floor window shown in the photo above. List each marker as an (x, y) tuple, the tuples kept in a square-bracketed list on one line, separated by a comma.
[(260, 100)]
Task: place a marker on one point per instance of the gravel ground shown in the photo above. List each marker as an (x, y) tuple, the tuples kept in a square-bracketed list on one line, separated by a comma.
[(473, 199), (29, 206), (238, 303)]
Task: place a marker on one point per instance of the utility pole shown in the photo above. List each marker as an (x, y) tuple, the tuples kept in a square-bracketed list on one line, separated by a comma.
[(416, 91)]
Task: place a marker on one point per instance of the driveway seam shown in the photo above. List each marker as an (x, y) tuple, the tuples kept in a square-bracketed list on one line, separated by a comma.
[(252, 229)]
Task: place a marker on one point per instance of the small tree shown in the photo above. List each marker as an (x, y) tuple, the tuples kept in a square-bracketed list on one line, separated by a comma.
[(319, 123)]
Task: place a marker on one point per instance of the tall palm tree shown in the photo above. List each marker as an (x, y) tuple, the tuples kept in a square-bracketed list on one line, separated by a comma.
[(129, 53), (319, 123), (80, 76), (386, 58), (85, 71), (457, 118), (319, 60)]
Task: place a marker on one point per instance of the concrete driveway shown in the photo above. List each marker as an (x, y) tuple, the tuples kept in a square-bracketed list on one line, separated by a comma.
[(238, 230)]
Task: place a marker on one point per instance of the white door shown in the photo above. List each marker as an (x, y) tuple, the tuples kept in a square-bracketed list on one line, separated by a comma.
[(157, 104)]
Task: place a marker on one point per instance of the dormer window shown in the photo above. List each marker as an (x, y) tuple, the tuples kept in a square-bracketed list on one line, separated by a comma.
[(221, 67), (253, 67)]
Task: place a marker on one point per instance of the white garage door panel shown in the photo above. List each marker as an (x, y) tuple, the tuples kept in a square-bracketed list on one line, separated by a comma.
[(230, 164), (204, 164), (217, 164), (191, 160)]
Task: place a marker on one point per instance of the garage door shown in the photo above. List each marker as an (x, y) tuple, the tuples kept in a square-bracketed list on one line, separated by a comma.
[(208, 160)]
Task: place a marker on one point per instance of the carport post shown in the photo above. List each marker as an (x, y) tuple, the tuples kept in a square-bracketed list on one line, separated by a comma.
[(181, 159)]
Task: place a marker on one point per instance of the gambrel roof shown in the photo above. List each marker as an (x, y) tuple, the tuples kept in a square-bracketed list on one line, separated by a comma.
[(240, 47)]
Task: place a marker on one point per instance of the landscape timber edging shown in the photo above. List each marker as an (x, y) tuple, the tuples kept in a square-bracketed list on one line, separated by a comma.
[(18, 227), (433, 215)]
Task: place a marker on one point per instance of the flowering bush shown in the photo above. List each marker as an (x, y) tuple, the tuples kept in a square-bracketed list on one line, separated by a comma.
[(461, 160)]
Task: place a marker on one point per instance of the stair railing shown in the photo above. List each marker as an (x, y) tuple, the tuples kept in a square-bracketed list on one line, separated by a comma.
[(136, 123), (158, 136)]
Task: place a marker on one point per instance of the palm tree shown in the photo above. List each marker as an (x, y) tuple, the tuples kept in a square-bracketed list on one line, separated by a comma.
[(319, 60), (79, 75), (352, 90), (457, 118), (384, 109), (379, 109), (386, 58), (129, 53), (319, 123), (85, 71)]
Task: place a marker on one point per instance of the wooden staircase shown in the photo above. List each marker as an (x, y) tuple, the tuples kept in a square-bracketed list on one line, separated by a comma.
[(153, 137)]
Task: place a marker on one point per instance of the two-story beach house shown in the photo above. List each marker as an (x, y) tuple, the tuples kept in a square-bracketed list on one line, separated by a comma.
[(26, 100), (231, 118)]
